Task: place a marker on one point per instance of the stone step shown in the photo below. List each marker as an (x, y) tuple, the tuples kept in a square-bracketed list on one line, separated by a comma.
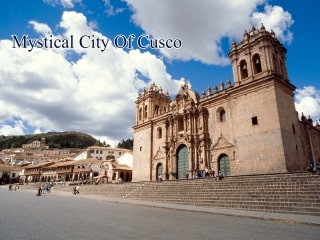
[(288, 193), (249, 205)]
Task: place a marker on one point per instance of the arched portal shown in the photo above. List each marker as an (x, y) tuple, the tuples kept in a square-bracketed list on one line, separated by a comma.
[(159, 171), (122, 175), (182, 161), (224, 164)]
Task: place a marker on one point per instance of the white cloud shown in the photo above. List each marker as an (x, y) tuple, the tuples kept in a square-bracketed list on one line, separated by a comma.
[(14, 128), (111, 10), (201, 25), (41, 28), (63, 3), (277, 19), (307, 101), (38, 131), (94, 94)]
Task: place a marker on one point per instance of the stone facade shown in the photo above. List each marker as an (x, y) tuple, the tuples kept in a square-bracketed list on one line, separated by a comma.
[(248, 127)]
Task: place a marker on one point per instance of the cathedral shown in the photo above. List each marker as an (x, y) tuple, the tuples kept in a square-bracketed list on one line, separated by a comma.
[(248, 126)]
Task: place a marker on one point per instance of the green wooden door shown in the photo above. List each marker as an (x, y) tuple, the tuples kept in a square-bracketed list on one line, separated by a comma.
[(159, 170), (224, 165), (182, 162)]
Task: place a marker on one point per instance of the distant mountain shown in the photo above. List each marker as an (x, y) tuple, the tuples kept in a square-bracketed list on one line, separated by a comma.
[(53, 139)]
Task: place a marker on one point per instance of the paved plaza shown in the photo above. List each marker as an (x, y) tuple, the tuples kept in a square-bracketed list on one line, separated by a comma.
[(61, 215)]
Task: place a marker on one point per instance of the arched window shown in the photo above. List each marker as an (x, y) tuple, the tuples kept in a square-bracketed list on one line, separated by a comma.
[(221, 115), (159, 132), (243, 69), (140, 114), (156, 110), (256, 64), (145, 112)]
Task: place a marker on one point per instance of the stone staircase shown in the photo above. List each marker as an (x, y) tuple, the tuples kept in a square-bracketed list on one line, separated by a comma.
[(108, 190), (297, 193)]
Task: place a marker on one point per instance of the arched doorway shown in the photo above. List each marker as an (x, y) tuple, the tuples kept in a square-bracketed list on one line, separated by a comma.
[(159, 171), (122, 175), (224, 165), (182, 162)]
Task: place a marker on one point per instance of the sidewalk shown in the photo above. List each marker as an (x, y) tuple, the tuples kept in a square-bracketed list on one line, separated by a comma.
[(281, 217)]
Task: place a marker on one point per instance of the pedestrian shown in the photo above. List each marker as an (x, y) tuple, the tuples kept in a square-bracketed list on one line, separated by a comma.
[(310, 167), (212, 171), (74, 191), (47, 188), (220, 175), (39, 191), (10, 187), (206, 172)]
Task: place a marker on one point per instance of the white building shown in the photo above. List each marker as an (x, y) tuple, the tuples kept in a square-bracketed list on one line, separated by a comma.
[(106, 153)]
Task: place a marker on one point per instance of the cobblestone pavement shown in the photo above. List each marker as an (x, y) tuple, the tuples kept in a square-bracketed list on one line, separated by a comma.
[(61, 215)]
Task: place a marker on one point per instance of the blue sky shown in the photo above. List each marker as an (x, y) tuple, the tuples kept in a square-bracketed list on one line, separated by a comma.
[(90, 89)]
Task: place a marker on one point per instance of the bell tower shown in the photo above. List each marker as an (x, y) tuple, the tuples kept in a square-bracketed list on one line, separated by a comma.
[(267, 98), (151, 103), (258, 55)]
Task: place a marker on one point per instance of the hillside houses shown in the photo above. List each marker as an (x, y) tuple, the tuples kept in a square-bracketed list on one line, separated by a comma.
[(33, 163)]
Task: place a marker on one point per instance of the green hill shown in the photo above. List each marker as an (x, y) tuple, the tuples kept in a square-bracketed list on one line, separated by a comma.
[(53, 139)]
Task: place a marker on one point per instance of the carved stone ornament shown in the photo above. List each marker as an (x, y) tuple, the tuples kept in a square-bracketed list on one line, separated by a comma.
[(222, 143), (159, 155)]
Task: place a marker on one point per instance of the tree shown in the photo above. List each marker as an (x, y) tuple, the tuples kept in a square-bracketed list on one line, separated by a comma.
[(128, 144), (98, 143)]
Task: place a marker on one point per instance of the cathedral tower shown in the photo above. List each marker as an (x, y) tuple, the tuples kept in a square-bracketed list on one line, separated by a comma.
[(266, 97), (151, 105)]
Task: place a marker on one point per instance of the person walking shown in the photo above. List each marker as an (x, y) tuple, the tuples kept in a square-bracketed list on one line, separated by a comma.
[(206, 172), (213, 171), (220, 175), (39, 191)]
